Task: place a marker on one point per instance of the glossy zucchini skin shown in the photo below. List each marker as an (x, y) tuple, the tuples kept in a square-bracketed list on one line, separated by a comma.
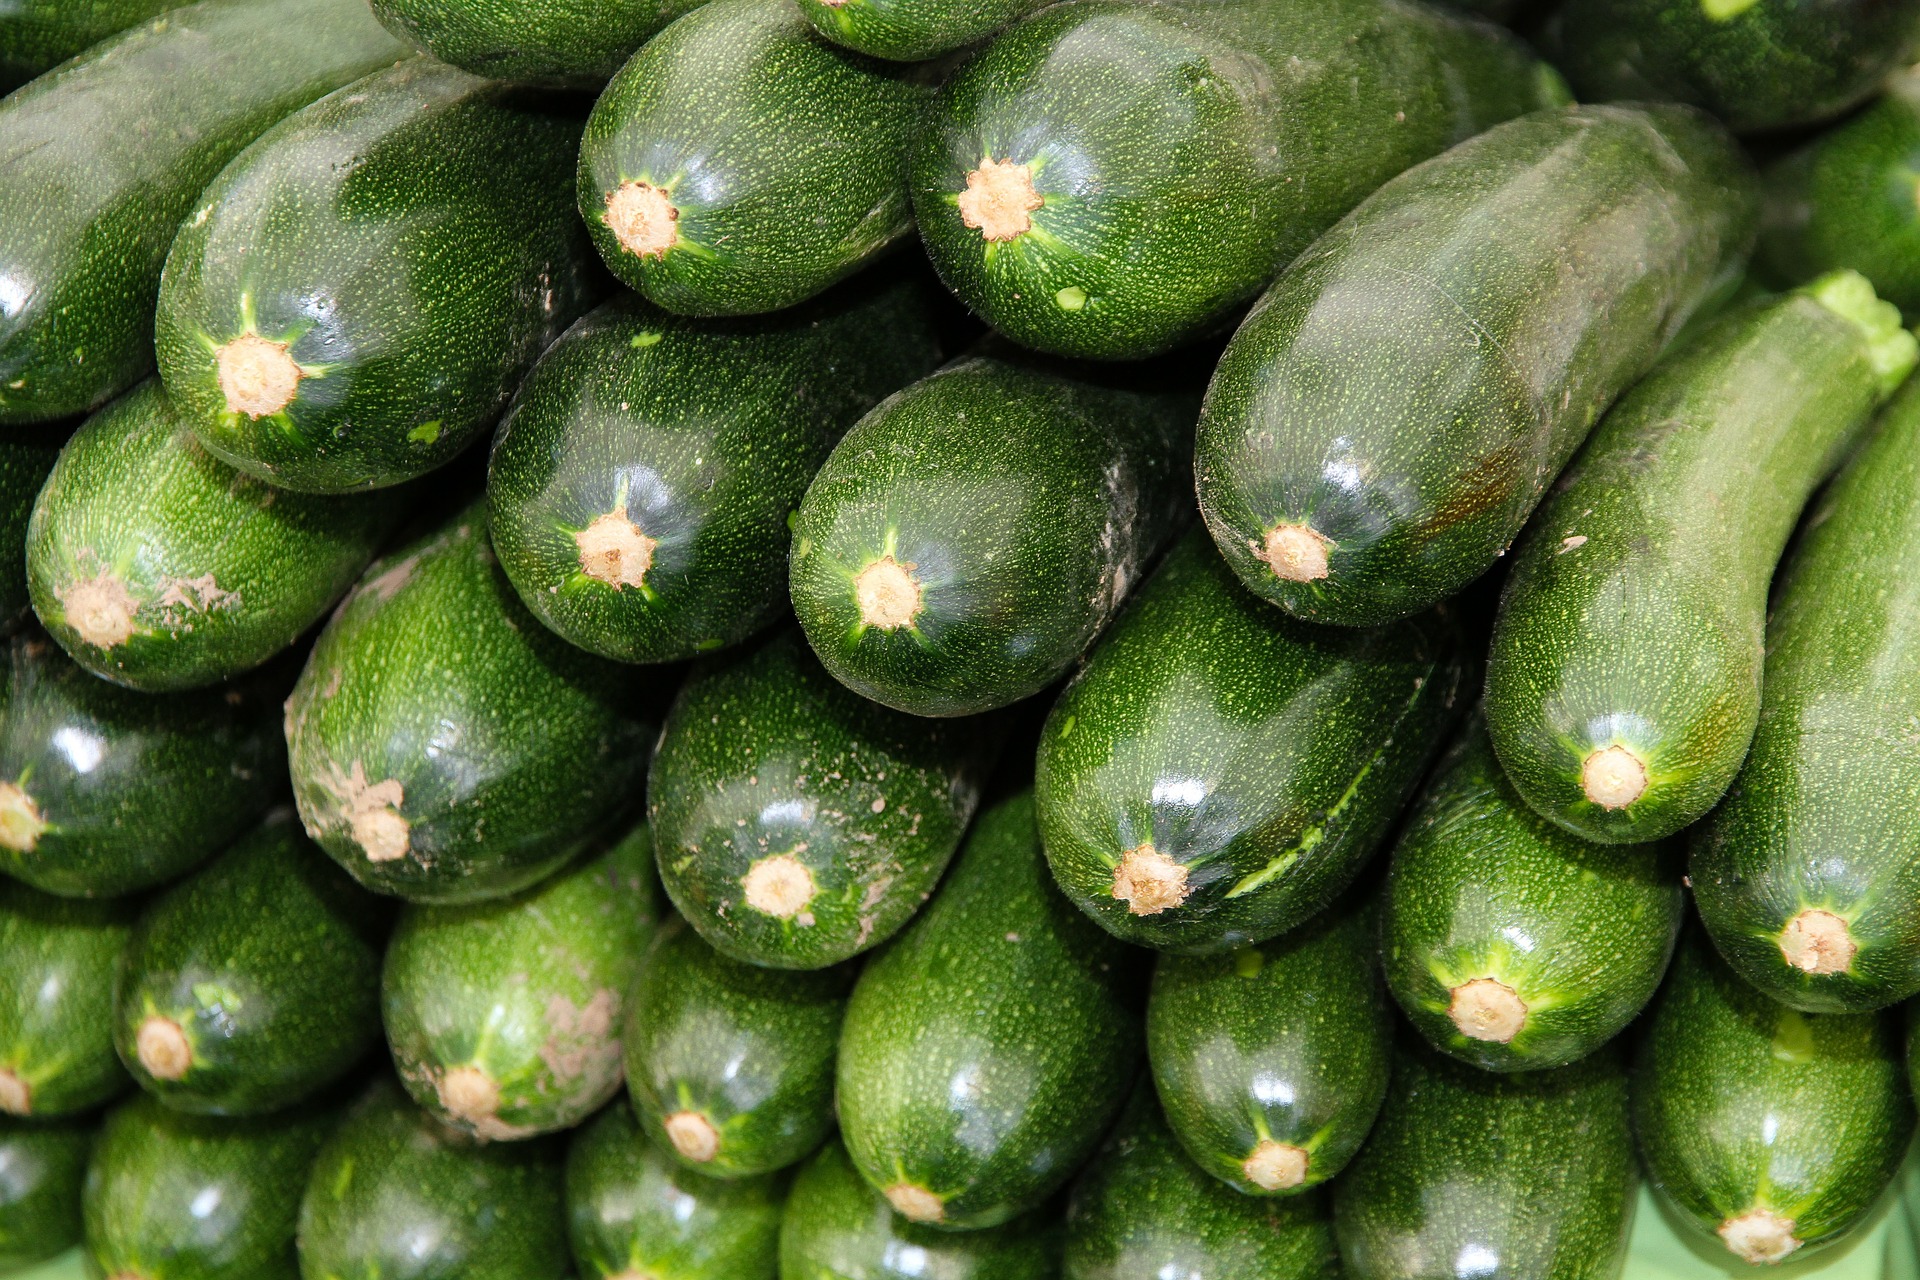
[(564, 44), (43, 1164), (58, 959), (1369, 445), (726, 421), (1183, 807), (38, 35), (105, 156), (910, 30)]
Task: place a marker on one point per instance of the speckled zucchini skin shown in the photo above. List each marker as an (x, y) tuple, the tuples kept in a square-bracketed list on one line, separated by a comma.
[(112, 791), (839, 1228), (910, 30), (988, 1049), (1483, 889), (633, 1210), (38, 35), (182, 1197), (58, 958), (783, 157), (504, 1017), (44, 1162), (1757, 64), (396, 1196), (1180, 741), (104, 158), (1744, 1104), (409, 244), (769, 772), (727, 420), (158, 567), (1178, 154), (570, 44), (446, 747), (1409, 388), (26, 456), (1286, 1043), (1470, 1174)]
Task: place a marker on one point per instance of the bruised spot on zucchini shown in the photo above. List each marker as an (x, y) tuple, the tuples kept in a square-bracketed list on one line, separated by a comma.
[(693, 1136), (1759, 1236), (642, 219), (163, 1049), (1488, 1009), (916, 1204), (613, 550), (1818, 942), (372, 813), (21, 822), (999, 200), (1613, 777), (1276, 1166), (16, 1095), (1295, 552), (1150, 882), (100, 610), (888, 594), (257, 376), (779, 886), (469, 1094)]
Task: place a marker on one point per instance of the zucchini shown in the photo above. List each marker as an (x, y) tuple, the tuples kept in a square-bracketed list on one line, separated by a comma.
[(969, 538), (26, 456), (252, 983), (910, 30), (633, 1211), (1471, 1174), (1182, 805), (1511, 944), (1143, 1209), (566, 44), (987, 1050), (355, 298), (724, 423), (795, 823), (42, 1166), (105, 792), (739, 163), (58, 959), (158, 567), (1624, 681), (1774, 1130), (1111, 179), (183, 1197), (730, 1065), (38, 35), (450, 763), (100, 161), (1385, 420), (504, 1017), (1270, 1063)]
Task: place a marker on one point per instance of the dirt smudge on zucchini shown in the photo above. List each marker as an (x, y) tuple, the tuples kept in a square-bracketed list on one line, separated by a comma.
[(371, 812)]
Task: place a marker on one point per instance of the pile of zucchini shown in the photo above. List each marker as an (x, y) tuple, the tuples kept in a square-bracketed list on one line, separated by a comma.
[(976, 719)]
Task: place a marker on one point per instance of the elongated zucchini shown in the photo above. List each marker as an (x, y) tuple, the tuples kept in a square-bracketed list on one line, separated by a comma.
[(910, 30), (38, 35), (571, 44)]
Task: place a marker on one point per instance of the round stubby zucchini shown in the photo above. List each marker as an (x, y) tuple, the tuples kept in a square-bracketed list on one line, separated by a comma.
[(43, 1164), (564, 44), (58, 961)]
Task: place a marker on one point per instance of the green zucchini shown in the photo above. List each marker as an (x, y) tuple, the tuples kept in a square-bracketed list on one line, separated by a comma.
[(1144, 1209), (26, 456), (1509, 943), (1182, 805), (797, 824), (42, 1166), (58, 959), (100, 161), (969, 538), (986, 1051), (1624, 680), (740, 164), (504, 1017), (1383, 423), (158, 567), (38, 35), (569, 44), (396, 1196), (252, 983), (445, 746), (1271, 1062), (1774, 1130), (722, 423), (1471, 1174), (839, 1228), (106, 792), (1111, 179), (183, 1197), (355, 298), (910, 30), (1757, 64)]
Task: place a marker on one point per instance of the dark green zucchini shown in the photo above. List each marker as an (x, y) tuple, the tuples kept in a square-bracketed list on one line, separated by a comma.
[(1111, 179), (1182, 805), (445, 746), (1386, 419), (797, 824), (183, 1197), (252, 983), (1271, 1062), (633, 1211), (1624, 682), (739, 163), (158, 567), (356, 297), (1471, 1175), (105, 792), (722, 424), (43, 1164), (1774, 1130), (58, 960), (101, 160), (988, 1049), (26, 456), (38, 35), (910, 30), (570, 44), (1509, 943)]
